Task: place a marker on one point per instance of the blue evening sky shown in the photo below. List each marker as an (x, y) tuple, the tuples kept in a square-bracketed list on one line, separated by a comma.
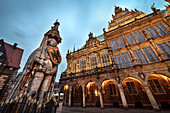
[(25, 21)]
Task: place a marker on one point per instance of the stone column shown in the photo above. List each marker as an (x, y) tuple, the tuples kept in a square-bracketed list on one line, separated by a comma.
[(70, 89), (122, 95), (101, 99), (151, 98), (65, 98), (84, 98)]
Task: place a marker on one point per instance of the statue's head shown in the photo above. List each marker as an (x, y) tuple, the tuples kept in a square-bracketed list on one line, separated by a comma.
[(52, 36), (53, 40)]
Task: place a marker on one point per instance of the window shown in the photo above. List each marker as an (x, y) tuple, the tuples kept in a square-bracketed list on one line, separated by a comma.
[(165, 49), (140, 56), (150, 54), (156, 86), (120, 42), (93, 62), (113, 44), (163, 28), (83, 64), (151, 32), (105, 59), (127, 59), (112, 88), (159, 30), (74, 67), (139, 37), (131, 87), (130, 39), (119, 61), (117, 44), (125, 62)]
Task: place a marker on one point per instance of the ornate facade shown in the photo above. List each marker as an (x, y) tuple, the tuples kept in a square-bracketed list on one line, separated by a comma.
[(127, 66)]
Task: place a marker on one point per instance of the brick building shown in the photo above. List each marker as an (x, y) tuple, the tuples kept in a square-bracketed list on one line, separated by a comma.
[(10, 58), (127, 66)]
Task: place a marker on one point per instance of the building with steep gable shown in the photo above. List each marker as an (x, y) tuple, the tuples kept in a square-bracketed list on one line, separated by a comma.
[(129, 67)]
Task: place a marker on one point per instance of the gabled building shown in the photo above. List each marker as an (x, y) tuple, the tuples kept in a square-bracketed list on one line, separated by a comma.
[(10, 59), (129, 67)]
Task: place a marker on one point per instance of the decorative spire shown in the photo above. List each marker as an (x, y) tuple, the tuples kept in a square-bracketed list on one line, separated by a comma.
[(90, 35)]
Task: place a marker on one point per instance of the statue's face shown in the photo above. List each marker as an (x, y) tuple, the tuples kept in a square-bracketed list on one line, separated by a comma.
[(52, 42)]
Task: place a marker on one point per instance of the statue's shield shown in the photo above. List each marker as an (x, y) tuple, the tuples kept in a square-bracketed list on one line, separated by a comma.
[(54, 55)]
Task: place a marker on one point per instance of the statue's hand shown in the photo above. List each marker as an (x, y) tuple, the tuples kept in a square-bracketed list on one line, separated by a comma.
[(41, 69)]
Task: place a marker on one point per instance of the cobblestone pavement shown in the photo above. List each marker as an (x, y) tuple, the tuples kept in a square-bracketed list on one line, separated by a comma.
[(66, 109)]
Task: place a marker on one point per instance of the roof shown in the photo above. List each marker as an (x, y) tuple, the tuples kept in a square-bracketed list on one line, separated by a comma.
[(165, 12), (14, 55), (100, 38)]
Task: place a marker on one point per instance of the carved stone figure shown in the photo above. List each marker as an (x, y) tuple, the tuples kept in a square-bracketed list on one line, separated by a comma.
[(45, 62), (37, 79)]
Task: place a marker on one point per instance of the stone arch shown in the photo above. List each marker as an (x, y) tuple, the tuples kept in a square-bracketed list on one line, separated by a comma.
[(156, 72), (92, 93), (110, 93), (134, 91), (159, 86), (137, 77), (108, 79), (77, 94), (94, 80)]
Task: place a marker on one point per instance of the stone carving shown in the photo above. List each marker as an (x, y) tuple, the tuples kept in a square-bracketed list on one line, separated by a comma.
[(38, 76)]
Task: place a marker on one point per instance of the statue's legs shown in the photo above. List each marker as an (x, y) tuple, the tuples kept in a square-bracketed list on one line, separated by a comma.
[(45, 86), (38, 77)]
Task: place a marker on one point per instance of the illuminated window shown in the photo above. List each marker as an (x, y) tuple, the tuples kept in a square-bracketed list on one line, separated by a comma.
[(93, 62), (83, 64), (156, 86), (140, 56), (131, 87), (150, 54), (112, 88), (105, 59), (165, 49)]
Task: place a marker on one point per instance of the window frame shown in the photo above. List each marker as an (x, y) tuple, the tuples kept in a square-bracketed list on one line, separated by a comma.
[(116, 90), (137, 93), (156, 87)]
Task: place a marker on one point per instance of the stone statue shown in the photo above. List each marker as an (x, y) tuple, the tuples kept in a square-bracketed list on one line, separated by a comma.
[(45, 62), (38, 76)]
